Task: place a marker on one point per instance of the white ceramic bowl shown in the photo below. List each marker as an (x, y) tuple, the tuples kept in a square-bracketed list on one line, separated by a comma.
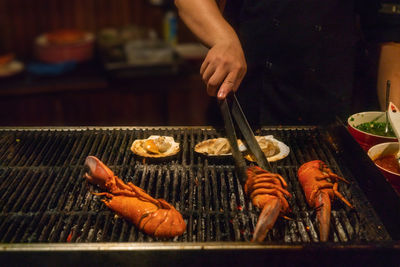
[(385, 149)]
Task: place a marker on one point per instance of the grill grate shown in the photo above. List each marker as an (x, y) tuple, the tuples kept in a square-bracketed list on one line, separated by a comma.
[(44, 198)]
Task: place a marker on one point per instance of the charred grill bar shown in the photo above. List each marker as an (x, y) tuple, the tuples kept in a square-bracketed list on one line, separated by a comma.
[(46, 206)]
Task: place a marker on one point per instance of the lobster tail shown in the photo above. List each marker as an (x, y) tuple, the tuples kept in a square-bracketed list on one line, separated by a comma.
[(267, 192), (320, 186), (164, 223), (323, 205), (267, 219)]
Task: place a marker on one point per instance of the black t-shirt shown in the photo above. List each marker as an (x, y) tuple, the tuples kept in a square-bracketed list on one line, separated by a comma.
[(300, 57)]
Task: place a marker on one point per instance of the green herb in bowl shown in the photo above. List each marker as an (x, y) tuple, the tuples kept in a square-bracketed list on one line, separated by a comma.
[(377, 128)]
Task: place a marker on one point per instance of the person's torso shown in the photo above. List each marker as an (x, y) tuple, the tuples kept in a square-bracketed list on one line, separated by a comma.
[(285, 30), (304, 48)]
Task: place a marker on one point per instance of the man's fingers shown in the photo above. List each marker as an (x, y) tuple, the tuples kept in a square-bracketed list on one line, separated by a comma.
[(222, 71), (204, 66), (212, 90), (215, 81), (207, 62), (223, 84), (230, 84), (208, 73), (212, 87)]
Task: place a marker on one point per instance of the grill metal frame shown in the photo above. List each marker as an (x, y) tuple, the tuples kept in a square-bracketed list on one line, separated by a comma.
[(381, 196), (201, 254)]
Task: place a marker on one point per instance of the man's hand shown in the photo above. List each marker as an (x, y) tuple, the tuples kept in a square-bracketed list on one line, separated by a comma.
[(224, 68), (225, 65)]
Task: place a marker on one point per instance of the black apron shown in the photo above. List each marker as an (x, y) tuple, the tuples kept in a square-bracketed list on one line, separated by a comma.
[(300, 56)]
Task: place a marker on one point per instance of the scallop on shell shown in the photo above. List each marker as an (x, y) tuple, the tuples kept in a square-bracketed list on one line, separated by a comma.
[(214, 147), (155, 146), (273, 149)]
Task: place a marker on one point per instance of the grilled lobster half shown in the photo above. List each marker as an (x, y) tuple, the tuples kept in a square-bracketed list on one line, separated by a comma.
[(320, 186), (155, 217), (267, 192)]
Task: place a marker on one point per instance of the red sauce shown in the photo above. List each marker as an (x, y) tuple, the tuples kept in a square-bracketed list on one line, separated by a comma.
[(389, 163)]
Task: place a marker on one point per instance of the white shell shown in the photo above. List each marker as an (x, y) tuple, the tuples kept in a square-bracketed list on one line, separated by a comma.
[(268, 142), (214, 147), (168, 142)]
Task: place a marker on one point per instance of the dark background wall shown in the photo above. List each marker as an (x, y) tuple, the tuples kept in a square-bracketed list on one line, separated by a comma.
[(88, 97), (22, 20)]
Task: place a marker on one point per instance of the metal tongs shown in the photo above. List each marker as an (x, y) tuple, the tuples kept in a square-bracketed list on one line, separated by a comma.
[(228, 106)]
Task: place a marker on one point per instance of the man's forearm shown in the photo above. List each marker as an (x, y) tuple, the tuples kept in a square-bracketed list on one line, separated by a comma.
[(206, 21), (224, 66)]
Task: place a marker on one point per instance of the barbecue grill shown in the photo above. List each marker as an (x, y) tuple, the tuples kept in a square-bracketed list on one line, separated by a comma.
[(48, 214)]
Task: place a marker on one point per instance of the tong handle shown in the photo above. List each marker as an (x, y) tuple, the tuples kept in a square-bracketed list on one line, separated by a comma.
[(240, 163), (248, 134)]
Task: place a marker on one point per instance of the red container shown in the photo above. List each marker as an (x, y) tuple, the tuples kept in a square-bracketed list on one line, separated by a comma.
[(367, 140), (386, 149), (49, 52)]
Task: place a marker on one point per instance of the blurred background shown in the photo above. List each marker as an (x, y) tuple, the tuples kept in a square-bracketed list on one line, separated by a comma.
[(133, 62)]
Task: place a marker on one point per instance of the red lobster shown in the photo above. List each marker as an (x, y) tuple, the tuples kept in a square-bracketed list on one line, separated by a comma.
[(320, 186), (268, 192), (153, 216)]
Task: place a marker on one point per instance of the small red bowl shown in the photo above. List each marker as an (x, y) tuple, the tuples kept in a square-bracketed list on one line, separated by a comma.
[(48, 52), (367, 140), (385, 149)]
